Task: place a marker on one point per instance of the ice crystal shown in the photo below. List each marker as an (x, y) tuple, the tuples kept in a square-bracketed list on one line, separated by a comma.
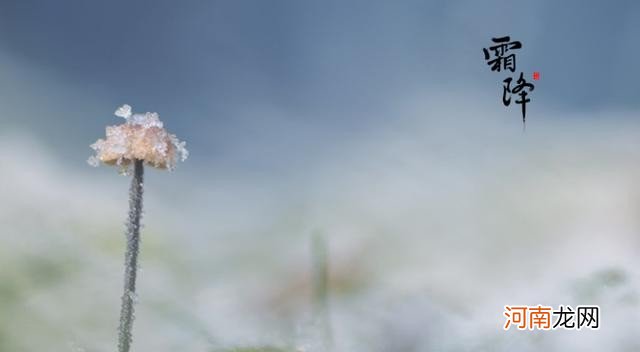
[(124, 111), (93, 161), (141, 137)]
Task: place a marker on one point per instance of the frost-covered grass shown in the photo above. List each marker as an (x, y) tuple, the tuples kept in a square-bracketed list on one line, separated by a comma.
[(427, 242)]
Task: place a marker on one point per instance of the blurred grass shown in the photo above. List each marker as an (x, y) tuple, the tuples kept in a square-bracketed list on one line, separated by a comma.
[(256, 349)]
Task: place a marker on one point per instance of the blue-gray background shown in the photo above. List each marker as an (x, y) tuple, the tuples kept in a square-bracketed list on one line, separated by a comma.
[(337, 66), (374, 123)]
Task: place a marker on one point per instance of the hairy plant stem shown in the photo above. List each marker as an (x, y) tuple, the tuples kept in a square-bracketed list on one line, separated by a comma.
[(131, 258)]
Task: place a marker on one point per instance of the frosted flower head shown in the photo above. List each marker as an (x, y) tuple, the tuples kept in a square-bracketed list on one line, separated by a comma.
[(141, 137)]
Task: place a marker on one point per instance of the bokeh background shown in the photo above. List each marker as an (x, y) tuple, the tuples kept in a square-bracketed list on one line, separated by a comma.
[(374, 126)]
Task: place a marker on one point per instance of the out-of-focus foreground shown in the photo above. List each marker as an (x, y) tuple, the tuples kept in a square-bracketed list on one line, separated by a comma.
[(431, 230)]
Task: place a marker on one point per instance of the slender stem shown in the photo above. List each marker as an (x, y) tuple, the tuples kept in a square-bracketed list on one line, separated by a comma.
[(131, 258), (320, 273), (321, 287)]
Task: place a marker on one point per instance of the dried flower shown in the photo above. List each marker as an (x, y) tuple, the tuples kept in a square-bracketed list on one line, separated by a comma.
[(142, 137), (141, 140)]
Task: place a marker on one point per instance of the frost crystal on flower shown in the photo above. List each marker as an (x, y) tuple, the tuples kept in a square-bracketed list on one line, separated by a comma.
[(142, 137), (124, 111)]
